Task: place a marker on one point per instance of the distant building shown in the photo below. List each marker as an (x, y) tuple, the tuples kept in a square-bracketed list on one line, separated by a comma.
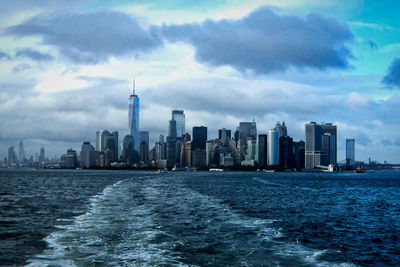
[(320, 145), (199, 137), (226, 161), (12, 157), (198, 158), (69, 160), (21, 152), (133, 117), (224, 134), (99, 146), (144, 147), (179, 117), (108, 141), (286, 153), (262, 149), (186, 154), (42, 157), (252, 150), (328, 129), (273, 147), (129, 154), (248, 129), (89, 157), (313, 149), (171, 144), (350, 152), (281, 129), (299, 151)]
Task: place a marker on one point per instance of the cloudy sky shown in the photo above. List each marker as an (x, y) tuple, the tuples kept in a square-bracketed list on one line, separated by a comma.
[(66, 69)]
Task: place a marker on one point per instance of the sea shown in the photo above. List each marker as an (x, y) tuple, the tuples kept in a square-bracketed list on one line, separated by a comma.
[(142, 218)]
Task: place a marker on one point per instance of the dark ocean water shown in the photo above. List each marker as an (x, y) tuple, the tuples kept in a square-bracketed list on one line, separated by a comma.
[(114, 218)]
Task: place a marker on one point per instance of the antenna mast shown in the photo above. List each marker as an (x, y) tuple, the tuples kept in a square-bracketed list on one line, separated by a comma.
[(133, 86)]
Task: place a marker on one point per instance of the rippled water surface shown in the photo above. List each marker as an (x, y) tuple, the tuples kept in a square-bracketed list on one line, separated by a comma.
[(114, 218)]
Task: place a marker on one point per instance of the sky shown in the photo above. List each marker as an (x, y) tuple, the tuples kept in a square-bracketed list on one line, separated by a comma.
[(66, 69)]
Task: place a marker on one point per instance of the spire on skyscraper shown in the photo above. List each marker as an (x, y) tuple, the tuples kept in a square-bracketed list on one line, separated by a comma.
[(133, 86)]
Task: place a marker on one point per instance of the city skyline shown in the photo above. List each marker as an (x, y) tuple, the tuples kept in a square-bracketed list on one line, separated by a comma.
[(59, 92)]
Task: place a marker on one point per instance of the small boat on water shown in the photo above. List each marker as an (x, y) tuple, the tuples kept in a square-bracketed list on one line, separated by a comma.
[(362, 170), (268, 170), (216, 170)]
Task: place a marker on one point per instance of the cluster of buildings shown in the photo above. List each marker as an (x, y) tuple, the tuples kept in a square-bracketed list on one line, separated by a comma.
[(20, 160), (242, 148)]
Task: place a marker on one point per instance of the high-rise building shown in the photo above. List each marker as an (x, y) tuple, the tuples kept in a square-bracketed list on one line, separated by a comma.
[(144, 136), (313, 149), (129, 154), (286, 153), (248, 129), (320, 145), (21, 152), (116, 149), (88, 156), (144, 147), (262, 149), (179, 117), (350, 151), (12, 157), (42, 157), (171, 144), (224, 134), (99, 147), (252, 150), (281, 129), (273, 147), (133, 122), (331, 130), (299, 151), (199, 137)]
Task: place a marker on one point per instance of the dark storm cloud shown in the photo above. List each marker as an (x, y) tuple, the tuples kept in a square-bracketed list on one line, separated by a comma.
[(392, 78), (33, 54), (265, 42), (92, 37), (4, 56)]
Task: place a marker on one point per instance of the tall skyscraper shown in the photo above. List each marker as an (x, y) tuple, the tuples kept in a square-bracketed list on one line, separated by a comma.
[(273, 147), (129, 155), (321, 144), (88, 156), (281, 129), (262, 149), (144, 147), (248, 129), (313, 145), (171, 144), (42, 157), (331, 130), (199, 137), (179, 117), (224, 134), (21, 152), (12, 158), (134, 117), (98, 141), (350, 151), (108, 141)]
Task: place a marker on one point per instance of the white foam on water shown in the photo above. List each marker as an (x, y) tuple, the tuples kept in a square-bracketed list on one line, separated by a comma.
[(84, 241), (265, 231), (57, 247)]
